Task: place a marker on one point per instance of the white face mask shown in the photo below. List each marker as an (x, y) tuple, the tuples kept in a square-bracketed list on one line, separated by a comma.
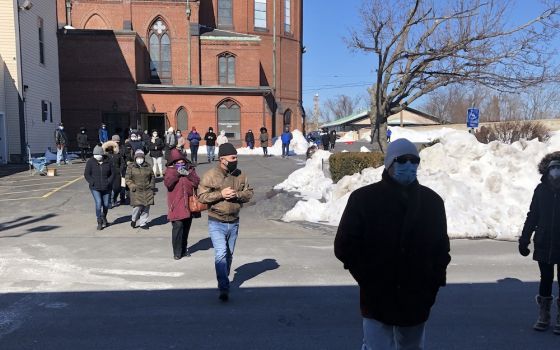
[(139, 161), (98, 157), (154, 134)]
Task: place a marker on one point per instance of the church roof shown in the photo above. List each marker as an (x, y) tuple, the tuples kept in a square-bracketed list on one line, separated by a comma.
[(220, 34)]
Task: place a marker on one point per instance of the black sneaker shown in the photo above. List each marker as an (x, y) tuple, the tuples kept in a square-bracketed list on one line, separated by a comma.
[(224, 295), (187, 254), (145, 227), (133, 224), (177, 257)]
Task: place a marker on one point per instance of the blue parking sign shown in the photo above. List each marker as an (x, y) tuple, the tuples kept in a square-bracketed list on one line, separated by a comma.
[(473, 115)]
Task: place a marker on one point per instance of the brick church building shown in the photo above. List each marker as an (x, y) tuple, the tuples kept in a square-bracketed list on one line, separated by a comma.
[(234, 65)]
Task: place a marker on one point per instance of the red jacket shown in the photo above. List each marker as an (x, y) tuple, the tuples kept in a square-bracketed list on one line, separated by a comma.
[(179, 187)]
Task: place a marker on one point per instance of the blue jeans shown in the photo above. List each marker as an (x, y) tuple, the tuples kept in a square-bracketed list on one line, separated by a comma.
[(223, 236), (251, 145), (285, 149), (210, 151), (380, 336), (101, 199), (61, 154)]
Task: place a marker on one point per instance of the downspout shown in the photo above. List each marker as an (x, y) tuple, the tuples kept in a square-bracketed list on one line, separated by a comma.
[(189, 45), (274, 48), (68, 12), (300, 63), (21, 92)]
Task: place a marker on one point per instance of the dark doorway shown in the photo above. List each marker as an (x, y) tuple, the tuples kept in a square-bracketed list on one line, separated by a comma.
[(154, 121), (116, 123)]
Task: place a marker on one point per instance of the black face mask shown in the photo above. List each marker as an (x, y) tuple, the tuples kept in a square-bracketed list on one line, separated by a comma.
[(231, 166)]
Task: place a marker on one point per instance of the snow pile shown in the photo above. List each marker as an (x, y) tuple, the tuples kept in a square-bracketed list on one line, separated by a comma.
[(487, 189), (364, 149), (350, 136)]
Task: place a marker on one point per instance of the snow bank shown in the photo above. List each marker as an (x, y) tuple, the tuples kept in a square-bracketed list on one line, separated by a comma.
[(414, 135), (487, 189), (350, 136)]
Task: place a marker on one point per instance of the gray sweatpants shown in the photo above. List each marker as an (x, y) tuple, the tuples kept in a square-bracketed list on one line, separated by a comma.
[(141, 214)]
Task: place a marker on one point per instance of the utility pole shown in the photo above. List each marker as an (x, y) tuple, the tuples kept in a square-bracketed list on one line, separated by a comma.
[(189, 44), (316, 111)]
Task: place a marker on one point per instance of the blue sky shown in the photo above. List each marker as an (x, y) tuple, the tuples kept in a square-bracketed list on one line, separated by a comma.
[(330, 68)]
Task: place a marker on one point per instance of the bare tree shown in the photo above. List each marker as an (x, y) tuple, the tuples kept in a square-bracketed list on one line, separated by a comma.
[(341, 106), (420, 47)]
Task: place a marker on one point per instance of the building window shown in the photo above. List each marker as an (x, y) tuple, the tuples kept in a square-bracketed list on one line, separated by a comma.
[(225, 13), (229, 119), (288, 117), (226, 69), (288, 16), (260, 14), (46, 112), (182, 122), (41, 40), (160, 52)]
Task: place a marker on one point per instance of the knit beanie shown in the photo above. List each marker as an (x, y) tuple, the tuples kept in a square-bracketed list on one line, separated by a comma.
[(139, 153), (116, 138), (98, 151), (226, 149), (399, 148)]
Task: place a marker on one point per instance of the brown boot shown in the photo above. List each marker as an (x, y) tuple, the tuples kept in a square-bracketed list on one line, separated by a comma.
[(543, 321), (557, 326)]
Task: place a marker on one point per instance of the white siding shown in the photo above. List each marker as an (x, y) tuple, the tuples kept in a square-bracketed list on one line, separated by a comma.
[(8, 53), (42, 79)]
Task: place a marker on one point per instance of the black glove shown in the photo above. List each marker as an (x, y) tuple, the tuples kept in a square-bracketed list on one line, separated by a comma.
[(183, 172), (524, 249)]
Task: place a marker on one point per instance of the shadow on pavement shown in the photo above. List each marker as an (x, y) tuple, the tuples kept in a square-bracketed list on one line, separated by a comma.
[(203, 244), (122, 220), (466, 316), (5, 227), (159, 221), (251, 270)]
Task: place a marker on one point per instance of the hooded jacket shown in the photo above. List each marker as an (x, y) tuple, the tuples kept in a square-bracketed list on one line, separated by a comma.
[(397, 249), (82, 139), (250, 137), (222, 138), (210, 138), (156, 148), (286, 137), (264, 138), (100, 176), (179, 187), (194, 138), (141, 181)]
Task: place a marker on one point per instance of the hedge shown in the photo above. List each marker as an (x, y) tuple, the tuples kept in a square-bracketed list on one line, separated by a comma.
[(349, 163)]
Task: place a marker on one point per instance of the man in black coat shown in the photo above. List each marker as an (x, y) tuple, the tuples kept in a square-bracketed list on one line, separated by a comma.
[(210, 139), (393, 239)]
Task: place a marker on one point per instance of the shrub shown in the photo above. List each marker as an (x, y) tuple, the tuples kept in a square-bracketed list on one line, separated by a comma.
[(512, 131), (349, 163)]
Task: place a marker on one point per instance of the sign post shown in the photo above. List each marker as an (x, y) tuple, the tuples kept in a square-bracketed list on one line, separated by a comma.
[(473, 117)]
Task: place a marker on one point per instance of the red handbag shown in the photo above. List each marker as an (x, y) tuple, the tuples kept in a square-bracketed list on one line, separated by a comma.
[(194, 204)]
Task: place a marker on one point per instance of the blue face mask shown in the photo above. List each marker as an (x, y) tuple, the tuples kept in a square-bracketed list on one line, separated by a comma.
[(405, 174)]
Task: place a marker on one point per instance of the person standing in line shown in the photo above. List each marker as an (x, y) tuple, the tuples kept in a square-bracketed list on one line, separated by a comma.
[(61, 141), (224, 188), (210, 139), (194, 142), (178, 134), (543, 219), (389, 132), (83, 143), (181, 181), (100, 176), (103, 134), (156, 152), (140, 180), (146, 140), (170, 141), (332, 139), (264, 141), (250, 139), (222, 138), (286, 139), (325, 139), (397, 249)]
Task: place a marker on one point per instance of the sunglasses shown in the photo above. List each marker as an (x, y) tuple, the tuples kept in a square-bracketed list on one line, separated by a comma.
[(407, 158)]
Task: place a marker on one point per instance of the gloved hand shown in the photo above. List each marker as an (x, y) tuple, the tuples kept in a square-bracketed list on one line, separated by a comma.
[(524, 249), (183, 171)]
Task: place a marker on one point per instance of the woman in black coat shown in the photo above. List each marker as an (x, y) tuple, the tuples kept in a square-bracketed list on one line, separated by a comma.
[(543, 219), (99, 174)]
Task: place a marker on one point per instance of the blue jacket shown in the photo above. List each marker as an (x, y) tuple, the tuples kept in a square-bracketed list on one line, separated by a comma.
[(286, 137), (103, 135), (194, 138)]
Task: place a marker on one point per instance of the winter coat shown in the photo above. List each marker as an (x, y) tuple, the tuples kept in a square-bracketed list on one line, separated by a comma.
[(325, 139), (543, 219), (211, 186), (394, 241), (156, 148), (100, 176), (264, 139), (141, 181), (117, 161), (250, 138), (221, 139), (103, 135), (60, 137), (210, 139), (131, 147), (170, 140), (332, 137), (179, 187), (286, 137), (194, 138), (82, 140)]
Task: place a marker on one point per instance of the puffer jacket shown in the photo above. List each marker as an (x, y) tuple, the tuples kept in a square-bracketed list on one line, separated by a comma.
[(179, 187), (156, 148), (264, 139), (543, 219), (141, 181), (210, 192), (82, 140), (117, 161), (194, 138), (100, 176)]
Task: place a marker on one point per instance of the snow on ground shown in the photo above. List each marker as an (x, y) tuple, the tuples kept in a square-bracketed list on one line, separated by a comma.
[(350, 136), (413, 135), (487, 188)]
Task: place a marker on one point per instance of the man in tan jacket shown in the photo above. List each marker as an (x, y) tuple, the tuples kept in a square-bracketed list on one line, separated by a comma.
[(224, 188)]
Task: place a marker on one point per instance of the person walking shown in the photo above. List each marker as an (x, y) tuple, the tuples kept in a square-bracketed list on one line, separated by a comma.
[(210, 139), (332, 139), (145, 137), (170, 141), (543, 219), (224, 188), (61, 141), (156, 152), (222, 138), (286, 139), (181, 181), (264, 141), (397, 249), (112, 150), (103, 134), (325, 139), (83, 143), (100, 176), (140, 180), (250, 139), (194, 142)]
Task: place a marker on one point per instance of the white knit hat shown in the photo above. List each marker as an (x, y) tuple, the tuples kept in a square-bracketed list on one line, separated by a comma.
[(399, 148)]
